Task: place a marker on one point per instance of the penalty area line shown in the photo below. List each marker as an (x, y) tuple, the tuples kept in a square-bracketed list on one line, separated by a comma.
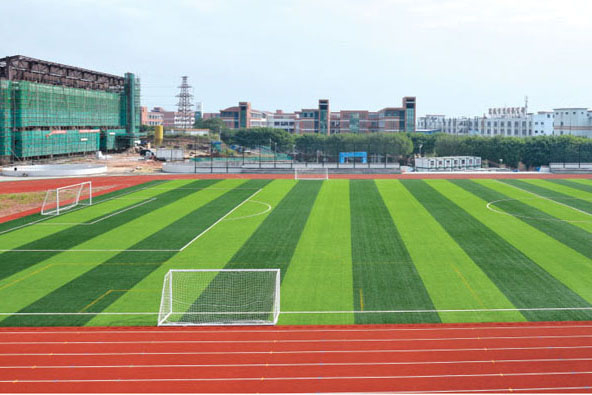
[(103, 218), (97, 202), (141, 250)]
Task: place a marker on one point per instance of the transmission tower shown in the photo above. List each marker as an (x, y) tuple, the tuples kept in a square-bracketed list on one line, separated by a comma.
[(184, 105)]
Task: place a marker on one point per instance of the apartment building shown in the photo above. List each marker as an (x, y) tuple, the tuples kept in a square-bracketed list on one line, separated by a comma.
[(153, 117), (322, 120)]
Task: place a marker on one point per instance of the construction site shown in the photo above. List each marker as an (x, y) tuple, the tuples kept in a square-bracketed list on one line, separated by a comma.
[(51, 110)]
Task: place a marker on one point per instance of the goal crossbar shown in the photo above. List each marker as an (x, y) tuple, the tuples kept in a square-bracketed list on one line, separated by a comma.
[(64, 198), (312, 173), (220, 297)]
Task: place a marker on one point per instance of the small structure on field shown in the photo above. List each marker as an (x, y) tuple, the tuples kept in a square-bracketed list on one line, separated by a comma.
[(448, 163)]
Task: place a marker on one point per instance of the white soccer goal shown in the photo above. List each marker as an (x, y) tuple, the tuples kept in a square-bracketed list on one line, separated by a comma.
[(64, 198), (311, 173), (220, 297)]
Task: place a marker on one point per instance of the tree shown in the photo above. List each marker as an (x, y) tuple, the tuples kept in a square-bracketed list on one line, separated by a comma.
[(279, 139), (215, 125)]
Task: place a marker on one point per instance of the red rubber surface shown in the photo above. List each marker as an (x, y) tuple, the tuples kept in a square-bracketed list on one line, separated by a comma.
[(525, 357)]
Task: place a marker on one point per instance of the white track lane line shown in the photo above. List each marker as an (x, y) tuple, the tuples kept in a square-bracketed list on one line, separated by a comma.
[(495, 390), (342, 351), (278, 341), (227, 330), (317, 364), (304, 378)]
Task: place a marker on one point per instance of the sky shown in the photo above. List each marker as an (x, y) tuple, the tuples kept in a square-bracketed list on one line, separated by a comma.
[(458, 57)]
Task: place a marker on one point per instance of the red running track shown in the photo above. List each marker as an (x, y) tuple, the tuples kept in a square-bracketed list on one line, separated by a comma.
[(527, 357)]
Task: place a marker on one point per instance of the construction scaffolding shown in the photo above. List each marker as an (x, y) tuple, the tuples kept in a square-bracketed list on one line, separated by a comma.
[(47, 109)]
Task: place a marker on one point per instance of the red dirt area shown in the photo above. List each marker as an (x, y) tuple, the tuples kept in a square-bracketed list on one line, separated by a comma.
[(504, 357)]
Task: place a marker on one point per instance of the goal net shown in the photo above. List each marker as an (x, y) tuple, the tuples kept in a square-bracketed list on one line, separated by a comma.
[(64, 198), (311, 173), (220, 297)]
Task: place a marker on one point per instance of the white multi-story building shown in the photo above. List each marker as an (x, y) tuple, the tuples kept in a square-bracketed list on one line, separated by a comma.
[(573, 121), (542, 123), (431, 122), (463, 125), (281, 120), (508, 121)]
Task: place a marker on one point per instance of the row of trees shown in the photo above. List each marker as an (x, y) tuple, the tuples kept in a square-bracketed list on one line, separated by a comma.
[(532, 151)]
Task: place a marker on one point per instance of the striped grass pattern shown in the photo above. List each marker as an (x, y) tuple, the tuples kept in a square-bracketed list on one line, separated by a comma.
[(349, 251)]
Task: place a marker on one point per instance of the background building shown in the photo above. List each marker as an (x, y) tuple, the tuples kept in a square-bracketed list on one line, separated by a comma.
[(542, 123), (573, 121), (321, 120), (53, 109), (154, 117)]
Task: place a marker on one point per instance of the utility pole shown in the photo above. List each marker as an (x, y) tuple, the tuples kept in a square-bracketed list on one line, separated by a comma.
[(185, 104)]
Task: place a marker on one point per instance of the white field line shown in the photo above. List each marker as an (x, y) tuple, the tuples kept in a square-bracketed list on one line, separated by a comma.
[(219, 220), (291, 341), (490, 206), (102, 218), (301, 378), (317, 364), (253, 215), (299, 352), (313, 311), (71, 211), (227, 330), (548, 198), (140, 250)]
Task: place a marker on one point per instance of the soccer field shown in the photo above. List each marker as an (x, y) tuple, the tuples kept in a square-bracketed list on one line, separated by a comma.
[(349, 251)]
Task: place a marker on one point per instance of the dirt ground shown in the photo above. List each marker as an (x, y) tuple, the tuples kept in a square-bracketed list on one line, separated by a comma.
[(119, 163), (14, 203)]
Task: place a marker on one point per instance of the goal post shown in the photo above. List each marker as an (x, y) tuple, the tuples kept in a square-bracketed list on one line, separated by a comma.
[(61, 199), (311, 173), (220, 297)]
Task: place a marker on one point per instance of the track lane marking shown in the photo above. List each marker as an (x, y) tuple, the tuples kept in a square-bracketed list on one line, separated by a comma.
[(300, 378), (275, 341), (342, 351), (387, 363), (227, 330)]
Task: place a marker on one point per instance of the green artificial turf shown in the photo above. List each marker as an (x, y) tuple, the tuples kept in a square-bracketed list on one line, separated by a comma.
[(565, 232), (320, 276), (452, 279), (555, 195), (523, 282), (344, 247), (140, 264), (573, 184), (385, 277)]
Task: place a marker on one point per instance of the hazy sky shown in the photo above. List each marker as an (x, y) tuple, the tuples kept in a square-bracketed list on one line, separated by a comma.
[(459, 57)]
